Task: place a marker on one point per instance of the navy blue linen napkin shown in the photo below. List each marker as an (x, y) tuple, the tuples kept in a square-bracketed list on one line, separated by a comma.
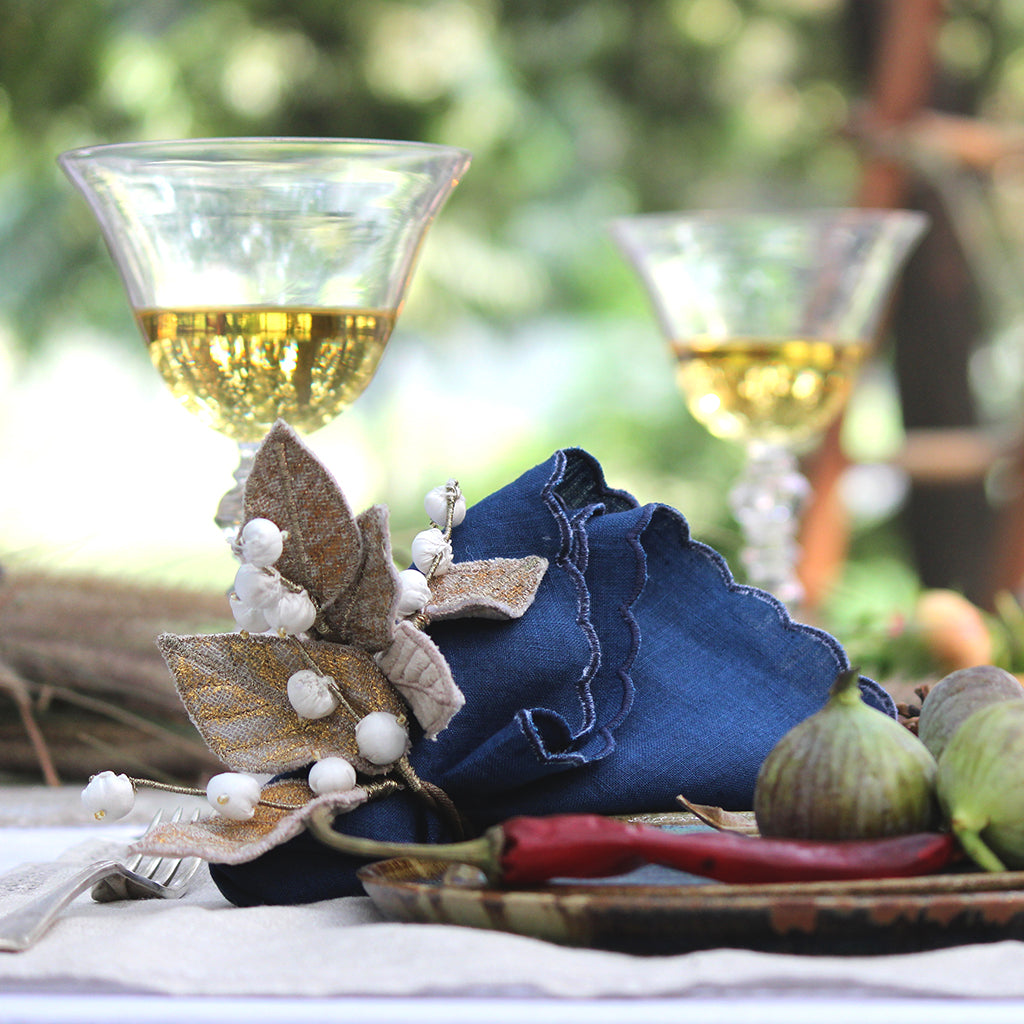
[(642, 671)]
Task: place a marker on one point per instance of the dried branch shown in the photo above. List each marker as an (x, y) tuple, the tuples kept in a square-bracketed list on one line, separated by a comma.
[(78, 655)]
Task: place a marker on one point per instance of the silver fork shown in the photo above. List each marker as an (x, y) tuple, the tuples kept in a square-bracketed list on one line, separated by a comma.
[(165, 878)]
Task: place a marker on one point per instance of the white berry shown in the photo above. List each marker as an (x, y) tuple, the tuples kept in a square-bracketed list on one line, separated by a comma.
[(381, 738), (233, 795), (436, 504), (426, 546), (293, 613), (414, 592), (332, 775), (109, 796), (261, 542), (252, 620), (257, 587), (311, 695)]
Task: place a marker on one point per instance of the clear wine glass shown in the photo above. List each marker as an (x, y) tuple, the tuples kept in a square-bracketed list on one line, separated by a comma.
[(769, 317), (266, 275)]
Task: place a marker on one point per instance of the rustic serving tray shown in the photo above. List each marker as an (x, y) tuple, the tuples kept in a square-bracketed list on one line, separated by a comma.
[(862, 917)]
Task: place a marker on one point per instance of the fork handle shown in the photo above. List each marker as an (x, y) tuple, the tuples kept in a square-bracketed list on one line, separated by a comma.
[(23, 927)]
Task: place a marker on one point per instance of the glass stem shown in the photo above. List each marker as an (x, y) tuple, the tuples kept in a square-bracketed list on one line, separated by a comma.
[(232, 505), (767, 501)]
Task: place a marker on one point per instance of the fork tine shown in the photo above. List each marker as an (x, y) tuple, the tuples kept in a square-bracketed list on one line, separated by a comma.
[(136, 861), (184, 869), (133, 863), (162, 869), (168, 869), (157, 818), (188, 866), (164, 877)]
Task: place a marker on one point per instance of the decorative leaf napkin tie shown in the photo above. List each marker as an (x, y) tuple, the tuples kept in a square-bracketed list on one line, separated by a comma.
[(580, 653)]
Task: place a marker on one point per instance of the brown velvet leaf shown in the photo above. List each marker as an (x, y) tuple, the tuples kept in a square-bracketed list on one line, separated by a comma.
[(498, 588), (364, 614), (290, 487), (234, 688)]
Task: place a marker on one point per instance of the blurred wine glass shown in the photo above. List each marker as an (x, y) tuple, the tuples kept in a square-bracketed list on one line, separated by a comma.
[(266, 275), (769, 317)]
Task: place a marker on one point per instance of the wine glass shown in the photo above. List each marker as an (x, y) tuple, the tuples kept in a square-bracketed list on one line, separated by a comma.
[(266, 275), (769, 317)]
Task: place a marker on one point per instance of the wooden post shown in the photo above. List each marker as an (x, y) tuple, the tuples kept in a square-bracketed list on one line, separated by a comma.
[(904, 69)]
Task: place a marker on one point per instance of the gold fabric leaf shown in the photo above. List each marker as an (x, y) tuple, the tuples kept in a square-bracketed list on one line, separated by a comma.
[(289, 486), (418, 670), (497, 588), (234, 688), (364, 614), (221, 841)]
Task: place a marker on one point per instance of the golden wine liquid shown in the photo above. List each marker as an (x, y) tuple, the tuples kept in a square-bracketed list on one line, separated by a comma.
[(782, 390), (239, 370)]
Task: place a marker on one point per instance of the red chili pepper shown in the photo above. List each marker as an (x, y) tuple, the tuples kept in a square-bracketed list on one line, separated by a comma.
[(528, 851), (535, 850)]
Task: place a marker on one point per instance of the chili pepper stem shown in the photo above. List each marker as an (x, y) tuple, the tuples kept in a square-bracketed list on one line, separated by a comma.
[(483, 852)]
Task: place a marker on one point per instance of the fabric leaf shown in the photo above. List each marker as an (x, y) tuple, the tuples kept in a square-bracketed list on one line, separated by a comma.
[(289, 486), (418, 670), (364, 614), (234, 688), (221, 841), (495, 588)]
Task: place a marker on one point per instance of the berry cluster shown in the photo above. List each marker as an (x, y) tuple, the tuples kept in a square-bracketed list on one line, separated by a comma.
[(431, 548), (264, 601)]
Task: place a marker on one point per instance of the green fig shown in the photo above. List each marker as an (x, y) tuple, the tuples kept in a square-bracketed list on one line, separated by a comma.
[(954, 698), (980, 785), (848, 771)]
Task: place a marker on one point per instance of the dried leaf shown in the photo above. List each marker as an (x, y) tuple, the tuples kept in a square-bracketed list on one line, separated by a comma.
[(234, 688), (289, 486), (717, 818), (364, 615), (498, 588), (418, 670)]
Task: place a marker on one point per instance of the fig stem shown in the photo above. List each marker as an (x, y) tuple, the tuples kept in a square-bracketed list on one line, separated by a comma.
[(968, 834), (845, 688)]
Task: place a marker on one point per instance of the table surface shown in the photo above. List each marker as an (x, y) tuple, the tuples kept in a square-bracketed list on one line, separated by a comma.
[(340, 960)]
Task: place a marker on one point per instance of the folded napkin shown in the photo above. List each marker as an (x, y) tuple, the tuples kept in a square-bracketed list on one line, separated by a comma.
[(640, 671)]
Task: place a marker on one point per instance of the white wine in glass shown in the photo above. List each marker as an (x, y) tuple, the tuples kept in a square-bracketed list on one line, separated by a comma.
[(777, 390), (241, 369), (769, 317), (266, 275)]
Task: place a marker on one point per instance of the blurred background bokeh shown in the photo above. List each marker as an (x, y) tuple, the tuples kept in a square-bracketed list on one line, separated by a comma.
[(524, 330)]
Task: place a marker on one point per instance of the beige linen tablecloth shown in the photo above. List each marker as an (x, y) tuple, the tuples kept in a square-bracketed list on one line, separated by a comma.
[(201, 945)]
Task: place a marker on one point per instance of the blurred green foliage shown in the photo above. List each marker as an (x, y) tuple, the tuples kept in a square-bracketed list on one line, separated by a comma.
[(575, 110)]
